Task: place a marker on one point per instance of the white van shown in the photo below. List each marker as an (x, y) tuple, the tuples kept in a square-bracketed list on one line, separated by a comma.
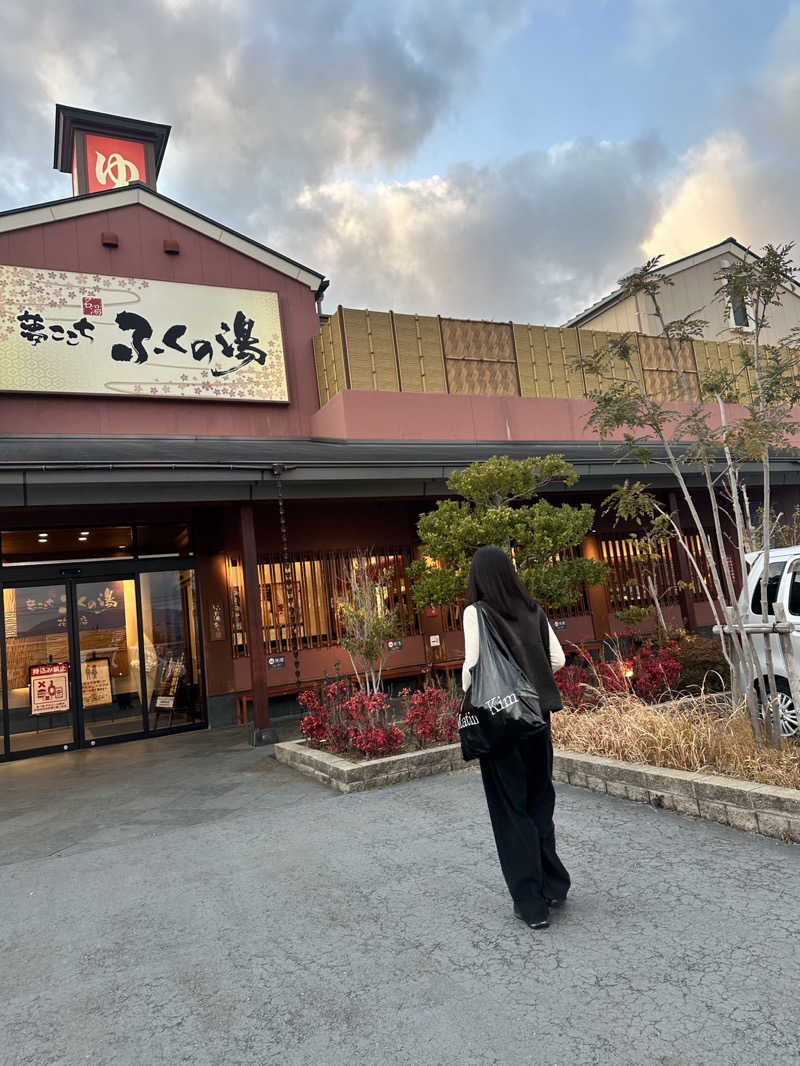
[(783, 587)]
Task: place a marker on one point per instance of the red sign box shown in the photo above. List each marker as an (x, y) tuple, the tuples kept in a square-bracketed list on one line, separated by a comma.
[(113, 163)]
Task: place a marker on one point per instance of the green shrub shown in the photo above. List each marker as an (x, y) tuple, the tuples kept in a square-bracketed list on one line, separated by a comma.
[(703, 665)]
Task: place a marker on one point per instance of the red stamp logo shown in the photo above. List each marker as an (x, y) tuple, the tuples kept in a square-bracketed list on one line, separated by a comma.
[(92, 305)]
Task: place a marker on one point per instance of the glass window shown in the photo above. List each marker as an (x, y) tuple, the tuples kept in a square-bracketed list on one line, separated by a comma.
[(169, 539), (44, 545), (40, 706), (773, 581), (794, 594), (109, 655), (169, 625)]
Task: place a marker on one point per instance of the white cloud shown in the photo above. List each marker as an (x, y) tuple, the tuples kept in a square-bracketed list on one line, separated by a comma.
[(743, 180), (525, 239)]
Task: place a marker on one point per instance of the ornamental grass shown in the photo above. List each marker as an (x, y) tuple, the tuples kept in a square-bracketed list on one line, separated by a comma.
[(689, 736)]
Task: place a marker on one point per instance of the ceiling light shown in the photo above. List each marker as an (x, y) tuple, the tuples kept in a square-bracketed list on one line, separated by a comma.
[(83, 538), (84, 532), (122, 546)]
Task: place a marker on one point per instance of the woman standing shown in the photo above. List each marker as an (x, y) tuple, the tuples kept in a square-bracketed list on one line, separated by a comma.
[(518, 779)]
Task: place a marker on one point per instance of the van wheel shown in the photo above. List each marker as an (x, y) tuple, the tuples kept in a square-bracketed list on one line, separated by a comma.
[(790, 725)]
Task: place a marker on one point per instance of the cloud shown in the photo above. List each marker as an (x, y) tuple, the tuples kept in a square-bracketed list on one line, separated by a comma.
[(743, 180), (264, 97), (290, 120), (524, 239)]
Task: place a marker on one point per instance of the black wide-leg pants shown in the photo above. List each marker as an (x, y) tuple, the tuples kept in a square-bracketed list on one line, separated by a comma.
[(518, 782)]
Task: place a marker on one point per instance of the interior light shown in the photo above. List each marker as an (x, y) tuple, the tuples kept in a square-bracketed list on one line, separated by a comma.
[(84, 532), (83, 538), (122, 545), (43, 536)]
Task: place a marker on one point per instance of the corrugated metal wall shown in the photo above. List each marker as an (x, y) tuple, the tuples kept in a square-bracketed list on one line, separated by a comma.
[(382, 351)]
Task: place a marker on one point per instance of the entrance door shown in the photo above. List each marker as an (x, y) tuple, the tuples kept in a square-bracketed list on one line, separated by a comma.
[(109, 681), (39, 658), (91, 659)]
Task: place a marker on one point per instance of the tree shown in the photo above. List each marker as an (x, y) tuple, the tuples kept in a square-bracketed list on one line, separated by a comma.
[(651, 547), (691, 443), (366, 620), (498, 505)]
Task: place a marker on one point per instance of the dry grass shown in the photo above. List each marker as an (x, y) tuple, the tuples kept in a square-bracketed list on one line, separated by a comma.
[(685, 738)]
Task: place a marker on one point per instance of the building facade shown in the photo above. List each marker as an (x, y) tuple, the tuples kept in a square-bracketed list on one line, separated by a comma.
[(693, 292), (190, 461)]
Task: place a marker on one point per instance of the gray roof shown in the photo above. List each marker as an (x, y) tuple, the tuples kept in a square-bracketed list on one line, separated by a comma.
[(47, 470)]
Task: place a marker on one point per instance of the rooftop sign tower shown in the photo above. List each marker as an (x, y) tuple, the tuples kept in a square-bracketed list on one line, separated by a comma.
[(107, 151)]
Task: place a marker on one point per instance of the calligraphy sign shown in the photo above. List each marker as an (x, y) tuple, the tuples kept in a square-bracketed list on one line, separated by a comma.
[(50, 688), (99, 335), (96, 682)]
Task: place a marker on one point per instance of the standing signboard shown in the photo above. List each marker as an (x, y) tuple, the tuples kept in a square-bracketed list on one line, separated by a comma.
[(50, 688), (96, 683)]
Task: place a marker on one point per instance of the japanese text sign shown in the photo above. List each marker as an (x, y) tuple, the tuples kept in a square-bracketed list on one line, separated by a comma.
[(112, 162), (100, 335), (50, 688)]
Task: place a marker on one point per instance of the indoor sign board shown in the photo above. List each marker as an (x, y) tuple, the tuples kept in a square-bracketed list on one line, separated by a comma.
[(99, 335), (50, 688)]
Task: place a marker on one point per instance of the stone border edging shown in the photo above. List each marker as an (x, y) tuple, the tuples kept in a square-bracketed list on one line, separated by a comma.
[(766, 809), (348, 776)]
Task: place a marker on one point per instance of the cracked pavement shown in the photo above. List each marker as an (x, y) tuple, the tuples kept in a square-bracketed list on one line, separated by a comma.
[(190, 900)]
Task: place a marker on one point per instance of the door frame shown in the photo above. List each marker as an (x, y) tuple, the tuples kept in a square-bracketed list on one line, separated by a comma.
[(70, 575)]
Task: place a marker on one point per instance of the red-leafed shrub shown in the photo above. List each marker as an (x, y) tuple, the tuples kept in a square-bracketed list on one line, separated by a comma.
[(345, 720), (649, 673), (376, 741), (431, 716)]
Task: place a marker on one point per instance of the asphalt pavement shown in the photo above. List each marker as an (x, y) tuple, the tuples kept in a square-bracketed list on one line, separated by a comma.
[(190, 900)]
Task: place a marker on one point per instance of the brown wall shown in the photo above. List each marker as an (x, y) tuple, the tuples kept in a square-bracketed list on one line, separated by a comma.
[(74, 245)]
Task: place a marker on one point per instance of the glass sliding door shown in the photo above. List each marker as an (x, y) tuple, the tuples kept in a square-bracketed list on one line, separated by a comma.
[(41, 698), (170, 631), (108, 644)]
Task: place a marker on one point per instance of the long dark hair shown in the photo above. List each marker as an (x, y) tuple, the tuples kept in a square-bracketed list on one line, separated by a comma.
[(493, 579)]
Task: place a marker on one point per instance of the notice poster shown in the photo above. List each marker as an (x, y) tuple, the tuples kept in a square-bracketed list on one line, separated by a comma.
[(96, 683), (173, 672), (50, 688)]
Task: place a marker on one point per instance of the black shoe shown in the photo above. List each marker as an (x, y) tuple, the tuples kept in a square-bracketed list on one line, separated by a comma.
[(543, 924), (556, 902)]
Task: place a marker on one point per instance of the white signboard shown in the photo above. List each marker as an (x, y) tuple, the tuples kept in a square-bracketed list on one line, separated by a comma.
[(96, 683), (100, 335), (50, 688)]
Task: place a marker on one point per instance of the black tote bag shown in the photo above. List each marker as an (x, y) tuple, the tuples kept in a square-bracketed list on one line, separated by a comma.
[(501, 705)]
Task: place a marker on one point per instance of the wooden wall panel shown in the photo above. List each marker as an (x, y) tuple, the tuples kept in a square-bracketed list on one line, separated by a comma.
[(380, 350), (593, 341), (419, 353), (369, 343), (547, 361), (479, 357)]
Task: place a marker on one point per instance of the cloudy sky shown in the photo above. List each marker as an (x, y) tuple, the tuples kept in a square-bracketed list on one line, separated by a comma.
[(485, 158)]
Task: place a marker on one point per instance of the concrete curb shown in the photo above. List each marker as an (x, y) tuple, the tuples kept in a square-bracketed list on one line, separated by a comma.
[(765, 809), (347, 776)]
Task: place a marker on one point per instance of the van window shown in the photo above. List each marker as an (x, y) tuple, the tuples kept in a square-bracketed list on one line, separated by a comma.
[(794, 594), (774, 579)]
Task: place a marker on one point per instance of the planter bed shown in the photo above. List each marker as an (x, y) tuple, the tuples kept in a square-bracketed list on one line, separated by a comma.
[(766, 809), (348, 775)]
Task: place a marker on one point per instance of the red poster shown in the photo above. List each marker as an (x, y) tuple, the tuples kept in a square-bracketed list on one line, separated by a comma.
[(113, 163), (50, 688)]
